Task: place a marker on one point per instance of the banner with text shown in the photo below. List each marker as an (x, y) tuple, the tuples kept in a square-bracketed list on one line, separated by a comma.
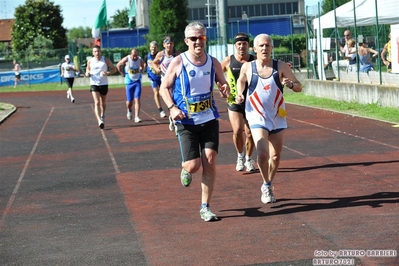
[(35, 76)]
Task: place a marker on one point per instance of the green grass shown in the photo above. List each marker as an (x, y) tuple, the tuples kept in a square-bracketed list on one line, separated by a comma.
[(52, 87), (373, 110)]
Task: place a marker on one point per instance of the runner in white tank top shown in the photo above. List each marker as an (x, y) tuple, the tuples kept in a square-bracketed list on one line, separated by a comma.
[(265, 109)]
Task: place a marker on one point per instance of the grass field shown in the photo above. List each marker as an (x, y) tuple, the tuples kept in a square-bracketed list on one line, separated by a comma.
[(374, 110)]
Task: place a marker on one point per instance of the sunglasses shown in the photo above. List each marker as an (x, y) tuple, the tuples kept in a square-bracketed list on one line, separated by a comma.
[(195, 38), (346, 35)]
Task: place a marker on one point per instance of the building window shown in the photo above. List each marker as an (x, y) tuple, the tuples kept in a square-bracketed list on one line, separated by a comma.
[(282, 9), (276, 9), (289, 8), (257, 10), (232, 12), (202, 14), (295, 8), (270, 11), (264, 10)]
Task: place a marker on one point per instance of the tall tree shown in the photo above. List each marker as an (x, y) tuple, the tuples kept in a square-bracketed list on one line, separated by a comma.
[(328, 5), (80, 32), (171, 19), (38, 18), (120, 19)]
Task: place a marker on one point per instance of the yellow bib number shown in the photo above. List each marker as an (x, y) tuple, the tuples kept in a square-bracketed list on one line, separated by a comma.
[(197, 107)]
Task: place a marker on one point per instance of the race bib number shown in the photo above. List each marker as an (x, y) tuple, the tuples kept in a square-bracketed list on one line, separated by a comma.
[(201, 106), (133, 71), (199, 103)]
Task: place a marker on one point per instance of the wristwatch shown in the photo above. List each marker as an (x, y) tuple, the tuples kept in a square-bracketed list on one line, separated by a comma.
[(292, 85), (170, 107)]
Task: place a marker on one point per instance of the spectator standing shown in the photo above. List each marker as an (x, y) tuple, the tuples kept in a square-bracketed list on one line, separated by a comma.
[(343, 52), (386, 55)]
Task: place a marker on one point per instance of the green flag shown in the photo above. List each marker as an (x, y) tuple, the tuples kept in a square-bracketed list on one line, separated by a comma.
[(100, 22), (132, 13)]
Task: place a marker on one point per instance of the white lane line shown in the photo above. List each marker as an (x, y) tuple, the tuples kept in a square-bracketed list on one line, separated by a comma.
[(111, 155), (22, 175), (345, 133), (295, 151)]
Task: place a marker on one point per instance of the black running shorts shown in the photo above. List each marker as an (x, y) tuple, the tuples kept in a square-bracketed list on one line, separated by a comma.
[(103, 89), (194, 138)]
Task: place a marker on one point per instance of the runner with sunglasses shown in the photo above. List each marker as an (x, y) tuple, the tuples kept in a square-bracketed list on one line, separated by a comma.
[(161, 63), (232, 65), (187, 90)]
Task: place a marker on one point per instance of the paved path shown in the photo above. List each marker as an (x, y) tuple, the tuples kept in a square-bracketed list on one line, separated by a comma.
[(72, 194)]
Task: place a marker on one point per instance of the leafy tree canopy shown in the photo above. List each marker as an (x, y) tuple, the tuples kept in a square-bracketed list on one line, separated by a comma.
[(328, 5), (36, 18), (120, 19), (171, 19), (80, 32)]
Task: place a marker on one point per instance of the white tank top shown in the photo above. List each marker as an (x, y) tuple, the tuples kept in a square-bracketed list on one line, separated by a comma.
[(264, 106), (132, 69), (96, 67)]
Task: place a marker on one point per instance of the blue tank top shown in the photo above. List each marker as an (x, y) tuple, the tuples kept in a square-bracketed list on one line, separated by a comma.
[(193, 91)]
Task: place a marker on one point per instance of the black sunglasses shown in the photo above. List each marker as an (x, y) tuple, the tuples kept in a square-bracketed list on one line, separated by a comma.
[(195, 38)]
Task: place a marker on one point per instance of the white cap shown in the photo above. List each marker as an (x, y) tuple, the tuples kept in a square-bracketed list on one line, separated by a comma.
[(67, 56)]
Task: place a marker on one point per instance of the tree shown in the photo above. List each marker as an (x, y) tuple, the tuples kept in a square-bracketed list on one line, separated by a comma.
[(38, 18), (120, 19), (171, 19), (328, 5), (80, 32)]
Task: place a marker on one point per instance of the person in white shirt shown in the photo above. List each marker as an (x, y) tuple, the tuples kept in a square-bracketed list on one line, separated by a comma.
[(68, 72), (17, 69), (344, 51), (98, 68)]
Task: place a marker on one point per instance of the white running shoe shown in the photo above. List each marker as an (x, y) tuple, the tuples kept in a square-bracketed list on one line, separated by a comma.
[(72, 100), (68, 96), (240, 164), (207, 215), (250, 165), (267, 194), (129, 115), (162, 114), (137, 119), (101, 124)]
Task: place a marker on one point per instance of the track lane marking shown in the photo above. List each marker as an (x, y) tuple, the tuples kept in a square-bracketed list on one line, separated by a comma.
[(22, 175)]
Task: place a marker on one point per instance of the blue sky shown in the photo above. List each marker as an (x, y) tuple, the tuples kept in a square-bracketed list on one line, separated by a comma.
[(76, 13), (311, 2)]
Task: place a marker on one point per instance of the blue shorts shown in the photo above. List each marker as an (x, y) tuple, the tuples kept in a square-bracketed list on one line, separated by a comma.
[(133, 91), (155, 83), (274, 131)]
